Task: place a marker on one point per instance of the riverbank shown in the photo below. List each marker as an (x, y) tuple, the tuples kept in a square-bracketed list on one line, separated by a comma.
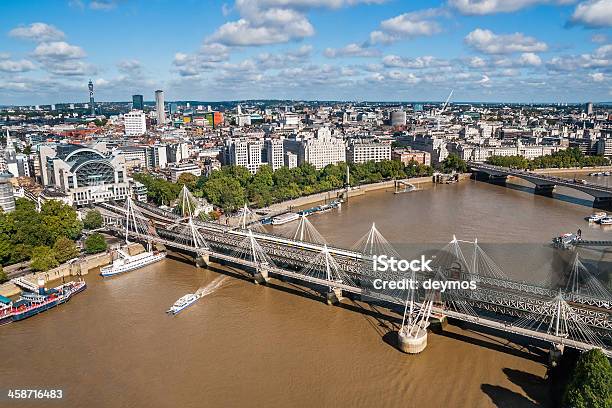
[(334, 194), (79, 268)]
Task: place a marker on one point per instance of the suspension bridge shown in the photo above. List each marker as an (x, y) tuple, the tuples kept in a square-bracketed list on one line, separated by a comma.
[(573, 313)]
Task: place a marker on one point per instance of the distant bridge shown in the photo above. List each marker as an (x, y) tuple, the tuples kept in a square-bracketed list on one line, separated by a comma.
[(545, 184)]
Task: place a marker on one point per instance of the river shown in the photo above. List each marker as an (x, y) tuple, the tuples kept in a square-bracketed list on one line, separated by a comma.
[(280, 345)]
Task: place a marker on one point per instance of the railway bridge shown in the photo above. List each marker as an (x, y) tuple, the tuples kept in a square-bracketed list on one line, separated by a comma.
[(575, 314)]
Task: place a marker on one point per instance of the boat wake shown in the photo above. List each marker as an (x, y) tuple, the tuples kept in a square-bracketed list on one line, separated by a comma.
[(211, 287)]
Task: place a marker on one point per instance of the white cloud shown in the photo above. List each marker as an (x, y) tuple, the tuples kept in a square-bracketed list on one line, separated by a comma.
[(244, 32), (102, 4), (58, 50), (129, 66), (16, 66), (408, 25), (482, 7), (351, 50), (593, 13), (38, 32), (414, 63), (490, 43), (529, 58), (598, 76), (265, 22)]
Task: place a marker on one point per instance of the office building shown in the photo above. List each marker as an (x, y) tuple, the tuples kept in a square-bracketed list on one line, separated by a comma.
[(319, 149), (407, 156), (160, 107), (365, 150), (137, 102), (177, 169), (7, 198), (135, 123)]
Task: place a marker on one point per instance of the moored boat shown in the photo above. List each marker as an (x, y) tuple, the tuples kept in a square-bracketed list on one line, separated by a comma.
[(596, 217), (126, 262)]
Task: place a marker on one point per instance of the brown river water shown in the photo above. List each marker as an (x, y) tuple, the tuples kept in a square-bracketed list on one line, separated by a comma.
[(281, 345)]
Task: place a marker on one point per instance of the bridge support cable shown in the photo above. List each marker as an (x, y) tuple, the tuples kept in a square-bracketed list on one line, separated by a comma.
[(187, 204), (374, 243), (250, 251), (135, 221), (559, 319), (582, 282), (325, 267), (306, 232), (250, 220)]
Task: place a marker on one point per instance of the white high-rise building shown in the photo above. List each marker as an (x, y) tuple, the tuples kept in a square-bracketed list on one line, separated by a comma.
[(160, 107), (274, 153), (135, 123)]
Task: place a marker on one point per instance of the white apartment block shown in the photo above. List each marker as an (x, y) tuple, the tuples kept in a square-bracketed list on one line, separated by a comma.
[(135, 123), (361, 151)]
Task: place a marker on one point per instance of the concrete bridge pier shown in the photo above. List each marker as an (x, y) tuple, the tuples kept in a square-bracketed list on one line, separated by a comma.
[(603, 203), (544, 189), (334, 296), (412, 339), (202, 261), (499, 179), (260, 277), (555, 354)]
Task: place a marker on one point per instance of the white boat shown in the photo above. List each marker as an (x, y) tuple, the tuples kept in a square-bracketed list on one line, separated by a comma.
[(284, 218), (126, 262), (606, 221), (183, 303), (596, 217)]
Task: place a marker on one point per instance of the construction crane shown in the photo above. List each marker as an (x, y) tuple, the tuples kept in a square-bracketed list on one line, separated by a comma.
[(444, 106)]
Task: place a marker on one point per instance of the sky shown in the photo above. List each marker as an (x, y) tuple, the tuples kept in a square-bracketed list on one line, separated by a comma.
[(356, 50)]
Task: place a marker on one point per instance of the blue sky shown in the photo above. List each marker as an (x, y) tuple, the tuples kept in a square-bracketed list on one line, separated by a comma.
[(486, 50)]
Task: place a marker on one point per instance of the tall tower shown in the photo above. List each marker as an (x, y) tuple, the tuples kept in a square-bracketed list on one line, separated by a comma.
[(137, 102), (159, 107), (91, 98)]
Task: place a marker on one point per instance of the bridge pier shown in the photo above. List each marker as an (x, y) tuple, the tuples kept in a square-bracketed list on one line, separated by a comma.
[(544, 189), (555, 354), (202, 261), (603, 203), (260, 277), (412, 339), (334, 296)]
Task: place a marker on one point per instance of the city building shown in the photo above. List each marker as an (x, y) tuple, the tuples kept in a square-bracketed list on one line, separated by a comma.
[(364, 150), (291, 160), (177, 169), (398, 118), (160, 107), (135, 123), (407, 156), (85, 175), (92, 104), (274, 153), (157, 157), (319, 149), (137, 102), (7, 198)]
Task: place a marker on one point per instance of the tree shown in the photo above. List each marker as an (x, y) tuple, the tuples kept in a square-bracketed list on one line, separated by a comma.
[(60, 219), (3, 276), (92, 220), (454, 163), (188, 180), (95, 243), (225, 192), (591, 383), (43, 258), (65, 249)]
